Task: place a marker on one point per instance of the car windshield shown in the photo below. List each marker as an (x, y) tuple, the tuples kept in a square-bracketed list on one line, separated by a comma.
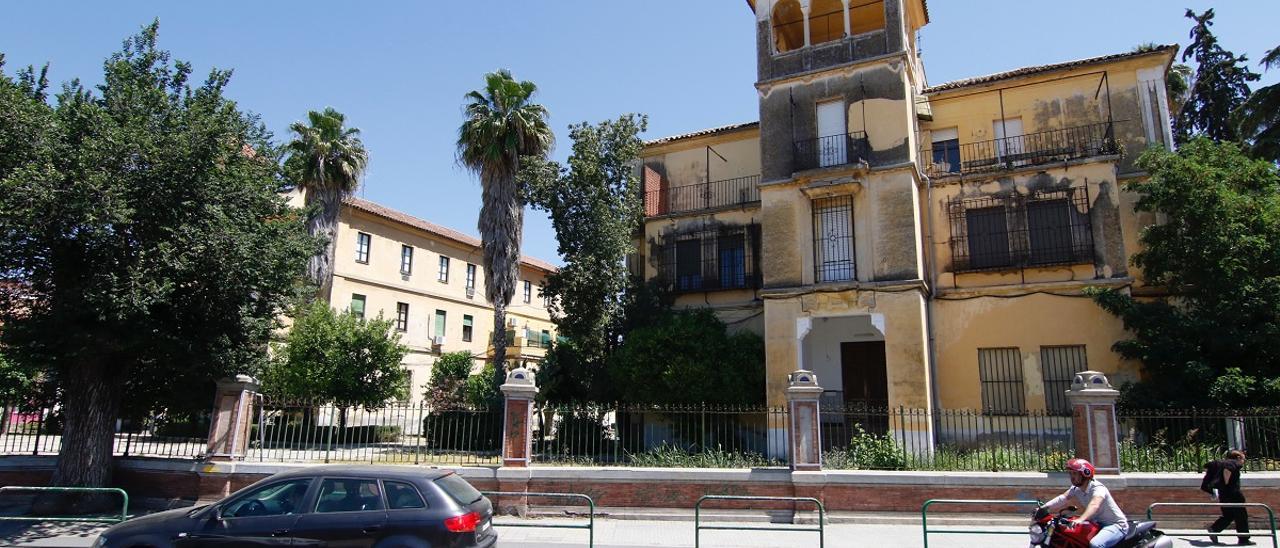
[(459, 489)]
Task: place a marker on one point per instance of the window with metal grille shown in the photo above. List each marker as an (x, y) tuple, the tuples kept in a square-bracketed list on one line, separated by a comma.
[(406, 260), (362, 247), (1000, 372), (1058, 366), (402, 316), (444, 269), (833, 259), (1044, 228), (720, 258)]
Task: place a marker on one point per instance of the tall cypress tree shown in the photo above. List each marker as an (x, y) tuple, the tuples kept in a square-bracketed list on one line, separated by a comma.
[(1220, 86)]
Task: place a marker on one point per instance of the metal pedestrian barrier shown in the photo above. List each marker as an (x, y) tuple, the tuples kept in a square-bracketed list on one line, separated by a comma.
[(591, 512), (698, 527), (924, 517), (1271, 519), (124, 506)]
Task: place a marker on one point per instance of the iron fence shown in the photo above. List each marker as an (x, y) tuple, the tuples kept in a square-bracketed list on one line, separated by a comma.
[(701, 436), (38, 431), (944, 439), (1183, 440), (696, 197), (831, 151), (1015, 151)]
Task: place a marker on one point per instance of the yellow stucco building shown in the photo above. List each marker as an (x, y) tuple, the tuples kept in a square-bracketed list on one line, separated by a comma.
[(914, 245), (428, 281)]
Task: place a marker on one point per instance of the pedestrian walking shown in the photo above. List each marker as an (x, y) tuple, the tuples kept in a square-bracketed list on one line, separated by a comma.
[(1222, 482)]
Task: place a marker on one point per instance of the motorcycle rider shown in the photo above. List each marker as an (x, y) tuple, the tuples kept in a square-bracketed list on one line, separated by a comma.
[(1097, 502)]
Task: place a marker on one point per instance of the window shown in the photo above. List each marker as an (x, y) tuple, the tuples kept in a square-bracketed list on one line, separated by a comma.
[(440, 321), (402, 317), (725, 257), (788, 26), (833, 239), (1058, 367), (826, 21), (444, 269), (406, 260), (357, 305), (471, 280), (546, 338), (866, 16), (459, 489), (408, 379), (467, 321), (277, 499), (946, 150), (401, 496), (528, 291), (1044, 228), (348, 495), (1000, 372), (362, 247)]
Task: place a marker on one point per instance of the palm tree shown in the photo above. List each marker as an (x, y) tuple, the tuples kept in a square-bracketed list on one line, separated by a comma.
[(328, 161), (501, 126)]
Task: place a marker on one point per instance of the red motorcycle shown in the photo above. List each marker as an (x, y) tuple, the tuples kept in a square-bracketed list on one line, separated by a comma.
[(1059, 531)]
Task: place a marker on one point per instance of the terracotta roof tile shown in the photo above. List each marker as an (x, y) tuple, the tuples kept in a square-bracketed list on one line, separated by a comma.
[(1025, 71), (439, 230), (702, 132)]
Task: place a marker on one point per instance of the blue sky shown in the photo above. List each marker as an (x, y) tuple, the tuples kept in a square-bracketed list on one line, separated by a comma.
[(399, 69)]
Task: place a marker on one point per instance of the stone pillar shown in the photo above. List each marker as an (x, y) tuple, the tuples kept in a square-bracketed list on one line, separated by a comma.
[(232, 416), (803, 394), (517, 417), (1093, 412)]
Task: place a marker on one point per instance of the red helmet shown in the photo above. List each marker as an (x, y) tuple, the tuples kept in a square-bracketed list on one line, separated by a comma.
[(1080, 465)]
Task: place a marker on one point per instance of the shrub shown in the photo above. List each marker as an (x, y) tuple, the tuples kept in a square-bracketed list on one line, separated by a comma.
[(667, 456), (463, 429), (867, 451)]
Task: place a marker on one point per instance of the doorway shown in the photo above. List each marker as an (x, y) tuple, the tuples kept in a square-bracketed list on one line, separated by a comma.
[(865, 380)]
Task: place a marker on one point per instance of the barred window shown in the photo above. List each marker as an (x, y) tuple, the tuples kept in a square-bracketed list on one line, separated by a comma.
[(1058, 366), (833, 259), (1043, 228), (711, 260), (1000, 372)]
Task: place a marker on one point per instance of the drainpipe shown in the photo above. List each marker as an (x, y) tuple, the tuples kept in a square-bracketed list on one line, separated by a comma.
[(933, 284)]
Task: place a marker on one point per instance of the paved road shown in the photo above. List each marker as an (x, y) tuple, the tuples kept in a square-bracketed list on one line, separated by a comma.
[(635, 534)]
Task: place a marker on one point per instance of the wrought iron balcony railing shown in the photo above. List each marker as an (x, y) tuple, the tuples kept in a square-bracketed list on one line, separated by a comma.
[(831, 151), (697, 197), (1054, 145)]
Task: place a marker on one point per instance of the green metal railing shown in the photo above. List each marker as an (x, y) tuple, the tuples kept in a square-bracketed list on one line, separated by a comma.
[(924, 517), (124, 507), (591, 512), (698, 527), (1271, 519)]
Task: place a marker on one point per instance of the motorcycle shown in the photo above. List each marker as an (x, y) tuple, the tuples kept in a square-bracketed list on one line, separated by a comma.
[(1059, 531)]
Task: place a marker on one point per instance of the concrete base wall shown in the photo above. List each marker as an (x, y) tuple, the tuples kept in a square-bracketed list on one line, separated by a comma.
[(877, 491)]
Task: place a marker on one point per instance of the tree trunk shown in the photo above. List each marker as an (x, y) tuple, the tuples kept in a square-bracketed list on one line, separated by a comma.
[(323, 224), (90, 405), (499, 343)]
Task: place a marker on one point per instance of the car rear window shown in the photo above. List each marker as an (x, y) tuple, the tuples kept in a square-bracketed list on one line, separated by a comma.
[(458, 488), (402, 495)]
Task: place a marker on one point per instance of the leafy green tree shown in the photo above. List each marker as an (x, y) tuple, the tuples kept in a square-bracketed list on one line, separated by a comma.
[(447, 387), (689, 357), (327, 160), (502, 126), (1260, 116), (338, 357), (1218, 256), (1219, 88), (594, 204), (145, 223)]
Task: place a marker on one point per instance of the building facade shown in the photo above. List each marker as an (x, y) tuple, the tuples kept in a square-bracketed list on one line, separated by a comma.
[(428, 281), (913, 245)]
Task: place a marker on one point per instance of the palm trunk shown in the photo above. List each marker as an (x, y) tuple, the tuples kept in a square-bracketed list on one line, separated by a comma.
[(499, 343), (324, 224), (90, 405)]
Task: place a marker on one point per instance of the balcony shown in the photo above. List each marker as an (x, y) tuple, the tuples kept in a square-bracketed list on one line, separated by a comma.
[(1045, 228), (720, 259), (1057, 145), (831, 151), (702, 196)]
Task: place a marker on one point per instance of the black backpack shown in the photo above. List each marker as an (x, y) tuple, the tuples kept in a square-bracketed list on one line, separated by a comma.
[(1212, 476)]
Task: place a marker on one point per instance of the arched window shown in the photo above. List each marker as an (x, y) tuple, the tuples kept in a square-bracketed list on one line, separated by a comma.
[(826, 21), (865, 16), (788, 26)]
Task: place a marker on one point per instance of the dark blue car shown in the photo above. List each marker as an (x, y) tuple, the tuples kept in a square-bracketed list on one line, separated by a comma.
[(337, 506)]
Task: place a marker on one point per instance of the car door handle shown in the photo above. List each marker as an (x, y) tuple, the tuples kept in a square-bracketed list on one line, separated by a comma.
[(280, 532), (371, 528)]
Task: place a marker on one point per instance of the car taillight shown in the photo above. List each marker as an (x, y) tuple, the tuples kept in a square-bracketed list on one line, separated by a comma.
[(466, 523)]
